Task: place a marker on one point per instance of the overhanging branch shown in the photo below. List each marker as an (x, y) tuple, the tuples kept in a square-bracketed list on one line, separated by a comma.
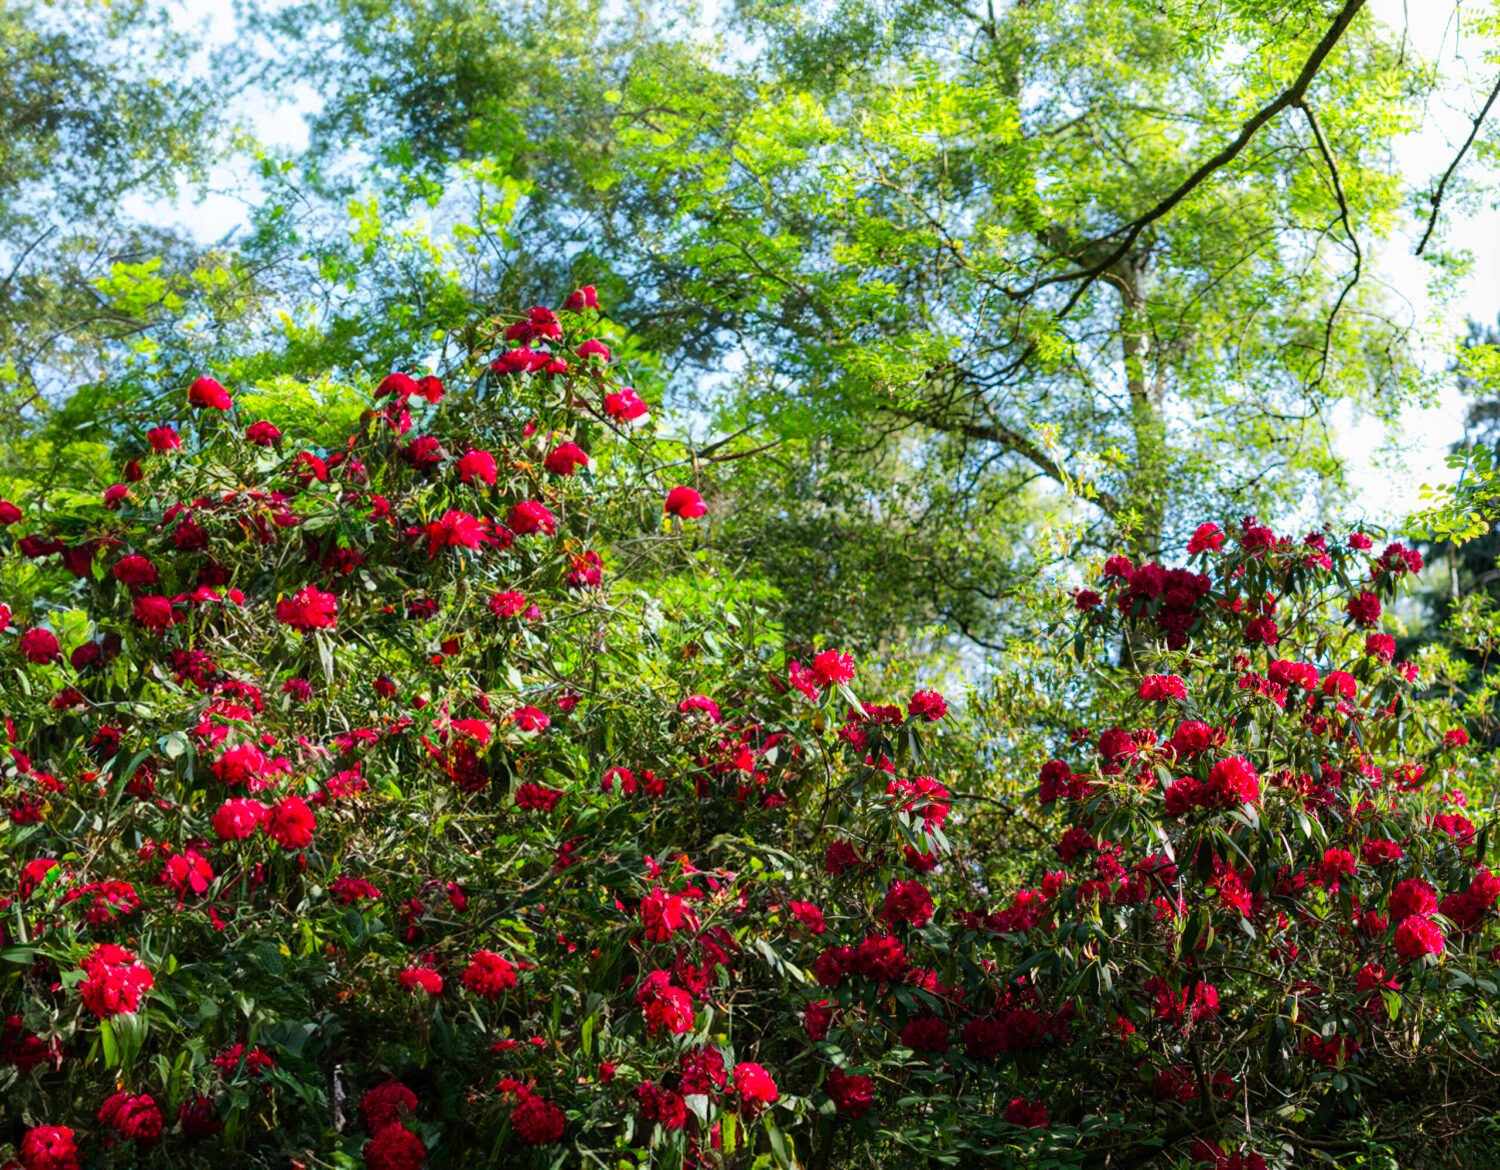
[(1132, 231)]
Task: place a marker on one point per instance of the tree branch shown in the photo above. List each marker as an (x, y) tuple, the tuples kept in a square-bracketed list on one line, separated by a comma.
[(1338, 192), (1011, 440), (1132, 230), (1437, 196)]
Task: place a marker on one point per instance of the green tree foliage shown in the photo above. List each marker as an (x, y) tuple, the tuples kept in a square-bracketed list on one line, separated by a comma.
[(968, 262), (95, 110)]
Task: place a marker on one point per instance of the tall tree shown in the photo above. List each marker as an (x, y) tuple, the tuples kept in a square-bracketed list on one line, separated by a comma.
[(1064, 249)]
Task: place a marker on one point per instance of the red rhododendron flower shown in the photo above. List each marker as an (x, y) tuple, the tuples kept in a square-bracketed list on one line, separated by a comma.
[(625, 406), (114, 982), (1206, 537), (593, 347), (206, 393), (537, 1122), (9, 513), (263, 434), (308, 609), (135, 571), (925, 1034), (156, 613), (290, 823), (238, 819), (832, 668), (530, 719), (565, 458), (49, 1147), (1160, 687), (1418, 936), (163, 439), (1412, 898), (853, 1094), (39, 646), (488, 975), (386, 1104), (666, 1007), (1031, 1114), (395, 1148), (1232, 781), (663, 913), (135, 1117), (531, 516), (421, 979), (927, 705), (584, 298), (685, 503), (1364, 608), (477, 466), (754, 1087), (907, 902), (809, 916)]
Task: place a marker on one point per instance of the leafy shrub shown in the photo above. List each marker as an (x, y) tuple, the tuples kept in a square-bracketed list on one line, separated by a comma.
[(370, 805)]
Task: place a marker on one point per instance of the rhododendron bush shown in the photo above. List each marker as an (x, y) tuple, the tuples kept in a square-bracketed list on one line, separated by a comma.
[(377, 805)]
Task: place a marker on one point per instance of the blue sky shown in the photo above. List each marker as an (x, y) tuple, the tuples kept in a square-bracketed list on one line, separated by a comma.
[(1387, 464)]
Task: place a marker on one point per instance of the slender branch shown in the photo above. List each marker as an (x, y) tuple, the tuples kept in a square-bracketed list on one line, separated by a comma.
[(1437, 196), (1359, 258), (1132, 230)]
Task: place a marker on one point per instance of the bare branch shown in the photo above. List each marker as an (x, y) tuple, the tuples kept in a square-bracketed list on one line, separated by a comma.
[(1437, 196), (1359, 259)]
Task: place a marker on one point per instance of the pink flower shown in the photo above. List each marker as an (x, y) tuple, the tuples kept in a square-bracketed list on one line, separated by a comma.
[(684, 502), (206, 392), (593, 347), (584, 298)]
